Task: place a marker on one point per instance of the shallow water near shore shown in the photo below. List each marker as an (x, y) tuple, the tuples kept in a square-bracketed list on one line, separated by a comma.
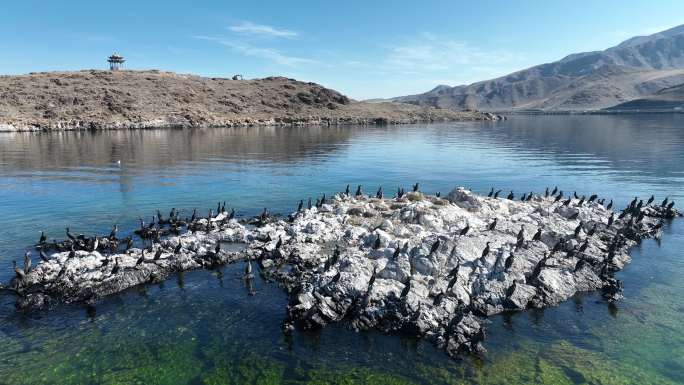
[(206, 327)]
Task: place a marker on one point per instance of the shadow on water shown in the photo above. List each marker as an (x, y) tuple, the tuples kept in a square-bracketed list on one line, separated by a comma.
[(213, 327)]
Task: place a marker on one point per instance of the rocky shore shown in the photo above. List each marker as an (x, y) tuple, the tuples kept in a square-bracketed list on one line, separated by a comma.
[(430, 266), (112, 100)]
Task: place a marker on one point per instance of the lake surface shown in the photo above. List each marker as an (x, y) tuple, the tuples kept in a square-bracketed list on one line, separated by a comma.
[(204, 327)]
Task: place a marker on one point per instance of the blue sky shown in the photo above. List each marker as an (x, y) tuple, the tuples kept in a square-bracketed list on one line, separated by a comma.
[(365, 49)]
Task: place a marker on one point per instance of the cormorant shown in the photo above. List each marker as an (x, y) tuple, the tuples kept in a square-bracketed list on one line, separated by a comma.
[(524, 197), (465, 230), (178, 247), (279, 243), (633, 203), (567, 202), (308, 205), (485, 252), (555, 190), (27, 262), (496, 194), (232, 214), (574, 195), (592, 198), (301, 206), (415, 187), (435, 247), (578, 229), (43, 238), (115, 269), (509, 261), (558, 197), (664, 202), (346, 191), (406, 289), (397, 251), (650, 200), (671, 205), (371, 281), (438, 194), (358, 191), (492, 225), (510, 196), (378, 194), (129, 243), (141, 259), (194, 215), (610, 205), (521, 233), (69, 235), (323, 199), (158, 254), (491, 192), (611, 219), (546, 193), (537, 235)]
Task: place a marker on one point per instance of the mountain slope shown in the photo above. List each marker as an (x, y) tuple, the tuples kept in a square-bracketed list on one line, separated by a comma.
[(142, 99), (635, 68), (668, 99)]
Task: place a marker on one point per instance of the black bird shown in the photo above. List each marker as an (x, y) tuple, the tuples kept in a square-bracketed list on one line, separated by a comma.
[(610, 205), (194, 215), (115, 269), (158, 254), (141, 259), (509, 261), (510, 196), (578, 229), (217, 249), (377, 244), (358, 191), (537, 235), (323, 199), (406, 289), (581, 202), (223, 207), (301, 206), (465, 230), (491, 192), (69, 235), (346, 191), (232, 214), (558, 197), (639, 205), (308, 205), (453, 281), (633, 203), (671, 205), (622, 214), (44, 256), (530, 196), (546, 193), (397, 251), (178, 247), (18, 272), (415, 187), (27, 262), (519, 243), (129, 243), (172, 213), (279, 243), (664, 202), (72, 252), (43, 238), (105, 262), (650, 200), (496, 194), (524, 197), (485, 252), (521, 233), (435, 247), (401, 193), (567, 202), (611, 219), (592, 198), (555, 190), (438, 194), (492, 225), (574, 195), (318, 203), (378, 194)]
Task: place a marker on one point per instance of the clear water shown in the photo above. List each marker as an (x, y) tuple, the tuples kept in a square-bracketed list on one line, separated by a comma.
[(202, 327)]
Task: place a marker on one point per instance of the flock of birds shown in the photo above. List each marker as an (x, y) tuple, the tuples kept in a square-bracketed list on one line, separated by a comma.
[(161, 226)]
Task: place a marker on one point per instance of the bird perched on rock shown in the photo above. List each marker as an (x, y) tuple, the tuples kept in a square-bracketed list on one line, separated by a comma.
[(555, 190), (435, 247), (592, 198), (485, 252), (141, 259), (664, 202), (509, 262), (521, 233), (115, 269), (158, 254), (610, 205), (492, 225), (406, 289), (496, 194), (491, 193), (378, 194), (112, 234), (27, 262), (346, 191), (397, 251), (578, 228), (415, 187), (301, 206), (558, 197), (464, 230), (537, 235), (611, 219), (377, 243), (650, 200), (358, 191), (510, 196), (69, 235), (43, 238)]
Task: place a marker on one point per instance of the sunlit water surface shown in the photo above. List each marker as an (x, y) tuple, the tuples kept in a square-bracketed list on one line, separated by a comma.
[(205, 327)]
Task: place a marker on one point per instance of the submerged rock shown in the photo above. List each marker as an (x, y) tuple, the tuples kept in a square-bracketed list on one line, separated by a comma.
[(424, 265)]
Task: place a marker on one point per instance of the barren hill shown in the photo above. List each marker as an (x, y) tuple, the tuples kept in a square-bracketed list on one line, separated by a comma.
[(595, 80), (141, 99)]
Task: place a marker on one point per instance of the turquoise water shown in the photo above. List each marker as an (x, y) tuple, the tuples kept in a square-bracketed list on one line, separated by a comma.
[(203, 327)]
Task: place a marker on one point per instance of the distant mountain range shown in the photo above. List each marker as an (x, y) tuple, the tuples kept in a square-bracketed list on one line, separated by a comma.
[(648, 68)]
